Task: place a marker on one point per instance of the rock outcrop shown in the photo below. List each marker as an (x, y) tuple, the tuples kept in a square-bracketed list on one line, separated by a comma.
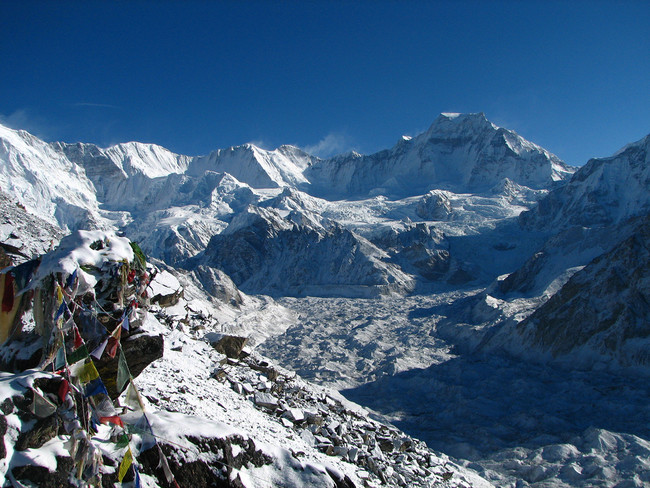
[(603, 312), (265, 253)]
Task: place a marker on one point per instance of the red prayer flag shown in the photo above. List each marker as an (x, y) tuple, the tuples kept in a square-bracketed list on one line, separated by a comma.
[(64, 388), (113, 342), (78, 341), (8, 297), (113, 419)]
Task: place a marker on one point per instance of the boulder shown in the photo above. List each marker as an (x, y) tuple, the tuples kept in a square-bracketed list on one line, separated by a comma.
[(231, 346), (266, 400), (140, 351)]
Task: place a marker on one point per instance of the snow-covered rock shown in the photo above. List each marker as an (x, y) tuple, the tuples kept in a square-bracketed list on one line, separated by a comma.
[(604, 191), (266, 253)]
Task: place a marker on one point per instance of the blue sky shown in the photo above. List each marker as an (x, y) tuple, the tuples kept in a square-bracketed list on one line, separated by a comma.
[(195, 76)]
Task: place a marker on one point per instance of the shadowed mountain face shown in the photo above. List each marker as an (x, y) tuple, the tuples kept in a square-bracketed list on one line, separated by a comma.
[(603, 311), (265, 253)]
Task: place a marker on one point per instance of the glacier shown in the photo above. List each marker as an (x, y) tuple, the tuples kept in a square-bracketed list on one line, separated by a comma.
[(465, 285)]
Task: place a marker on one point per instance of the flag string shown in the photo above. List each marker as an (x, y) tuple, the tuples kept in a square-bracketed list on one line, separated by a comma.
[(91, 386)]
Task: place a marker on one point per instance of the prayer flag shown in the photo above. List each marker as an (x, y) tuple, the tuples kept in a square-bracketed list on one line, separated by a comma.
[(70, 281), (169, 476), (87, 372), (104, 408), (123, 441), (59, 362), (59, 294), (41, 406), (125, 323), (133, 398), (123, 373), (78, 341), (9, 293), (113, 342), (137, 477), (146, 433), (60, 311), (125, 465), (113, 419), (69, 324), (78, 354), (64, 388), (95, 387), (99, 350)]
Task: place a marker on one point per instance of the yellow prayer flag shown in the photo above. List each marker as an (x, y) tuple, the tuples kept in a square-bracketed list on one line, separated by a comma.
[(88, 373), (125, 465), (59, 295)]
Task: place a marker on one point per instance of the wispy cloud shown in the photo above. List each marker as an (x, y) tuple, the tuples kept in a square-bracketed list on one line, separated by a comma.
[(23, 119), (332, 144), (95, 105), (262, 144)]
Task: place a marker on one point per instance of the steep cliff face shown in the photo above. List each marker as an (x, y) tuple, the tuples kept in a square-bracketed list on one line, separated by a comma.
[(45, 182), (601, 315), (266, 253), (603, 309), (603, 192)]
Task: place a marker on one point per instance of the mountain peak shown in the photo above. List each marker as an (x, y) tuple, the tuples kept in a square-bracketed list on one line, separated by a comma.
[(447, 123)]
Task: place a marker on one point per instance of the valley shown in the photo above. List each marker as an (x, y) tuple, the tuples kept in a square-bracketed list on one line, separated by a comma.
[(466, 286)]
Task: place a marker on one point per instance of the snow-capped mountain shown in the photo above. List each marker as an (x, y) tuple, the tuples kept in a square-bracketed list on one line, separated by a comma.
[(45, 181), (462, 152), (175, 204), (444, 232), (266, 253), (257, 167), (604, 191)]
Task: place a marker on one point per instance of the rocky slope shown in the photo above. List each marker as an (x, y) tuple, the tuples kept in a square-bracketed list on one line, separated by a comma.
[(175, 402), (266, 253), (600, 315)]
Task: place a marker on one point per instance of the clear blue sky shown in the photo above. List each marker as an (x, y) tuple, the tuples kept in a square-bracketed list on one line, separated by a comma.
[(194, 76)]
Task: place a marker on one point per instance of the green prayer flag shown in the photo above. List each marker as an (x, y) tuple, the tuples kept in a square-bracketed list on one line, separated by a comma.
[(123, 441), (123, 373), (78, 354)]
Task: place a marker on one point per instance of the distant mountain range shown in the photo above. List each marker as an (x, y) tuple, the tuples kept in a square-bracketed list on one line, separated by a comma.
[(524, 255), (486, 203)]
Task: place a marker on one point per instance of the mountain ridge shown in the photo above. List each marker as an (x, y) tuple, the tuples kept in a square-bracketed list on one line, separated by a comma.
[(452, 257)]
